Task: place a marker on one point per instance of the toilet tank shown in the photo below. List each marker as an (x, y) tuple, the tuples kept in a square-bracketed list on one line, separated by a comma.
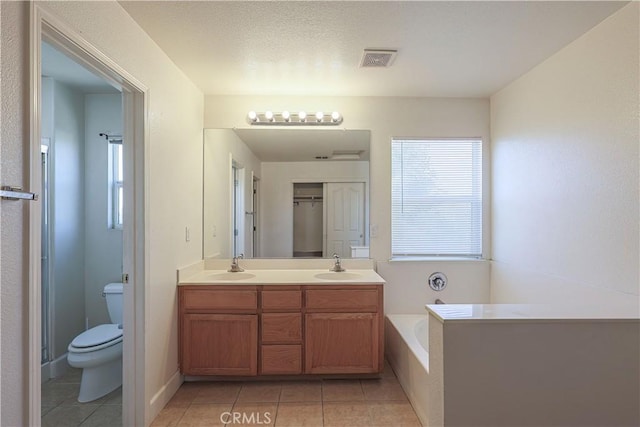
[(113, 295)]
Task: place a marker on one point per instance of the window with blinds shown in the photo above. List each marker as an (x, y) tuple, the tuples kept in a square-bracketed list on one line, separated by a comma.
[(436, 197)]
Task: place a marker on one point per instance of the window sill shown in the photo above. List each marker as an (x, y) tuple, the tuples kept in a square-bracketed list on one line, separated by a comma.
[(436, 259)]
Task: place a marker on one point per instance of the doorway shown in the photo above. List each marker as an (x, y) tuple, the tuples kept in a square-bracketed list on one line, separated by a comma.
[(308, 220), (82, 234), (47, 29), (255, 230)]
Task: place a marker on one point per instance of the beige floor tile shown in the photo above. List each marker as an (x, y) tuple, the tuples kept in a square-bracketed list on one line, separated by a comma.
[(341, 391), (346, 414), (185, 394), (105, 416), (252, 414), (72, 376), (204, 415), (54, 394), (301, 391), (398, 414), (114, 398), (260, 392), (299, 414), (388, 371), (44, 409), (219, 392), (169, 417), (65, 416), (383, 389)]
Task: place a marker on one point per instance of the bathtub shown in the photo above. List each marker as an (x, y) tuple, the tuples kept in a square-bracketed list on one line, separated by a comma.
[(407, 350)]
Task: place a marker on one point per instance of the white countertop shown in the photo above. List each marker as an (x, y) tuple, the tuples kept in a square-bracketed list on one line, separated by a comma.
[(499, 312), (283, 277)]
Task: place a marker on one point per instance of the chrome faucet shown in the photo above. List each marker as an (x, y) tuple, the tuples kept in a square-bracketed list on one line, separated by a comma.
[(235, 267), (338, 264)]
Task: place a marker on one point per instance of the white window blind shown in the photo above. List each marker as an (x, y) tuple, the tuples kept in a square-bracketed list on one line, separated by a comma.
[(436, 197)]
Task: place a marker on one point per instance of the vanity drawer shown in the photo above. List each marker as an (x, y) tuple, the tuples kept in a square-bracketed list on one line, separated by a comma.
[(224, 300), (351, 300), (281, 359), (281, 327), (281, 300)]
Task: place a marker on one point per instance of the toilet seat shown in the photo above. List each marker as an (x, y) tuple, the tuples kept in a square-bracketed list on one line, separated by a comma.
[(96, 338)]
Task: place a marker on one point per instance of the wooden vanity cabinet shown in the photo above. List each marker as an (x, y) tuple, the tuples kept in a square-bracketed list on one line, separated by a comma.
[(280, 329), (343, 330), (218, 330)]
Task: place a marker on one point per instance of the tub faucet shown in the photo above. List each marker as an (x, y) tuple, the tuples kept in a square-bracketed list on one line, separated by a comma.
[(338, 264), (235, 267)]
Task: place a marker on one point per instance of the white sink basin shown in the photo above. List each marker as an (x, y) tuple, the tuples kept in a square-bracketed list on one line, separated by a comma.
[(231, 276), (338, 275)]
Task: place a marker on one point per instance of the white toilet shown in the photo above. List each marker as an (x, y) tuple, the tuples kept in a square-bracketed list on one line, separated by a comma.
[(98, 351)]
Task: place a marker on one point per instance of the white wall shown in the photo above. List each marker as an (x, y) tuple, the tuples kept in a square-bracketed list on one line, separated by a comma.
[(67, 216), (103, 245), (276, 222), (221, 147), (565, 173), (173, 185), (387, 118)]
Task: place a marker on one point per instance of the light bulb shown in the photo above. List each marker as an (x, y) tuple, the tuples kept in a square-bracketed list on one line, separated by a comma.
[(319, 116), (303, 116), (286, 116), (335, 116), (268, 115), (252, 116)]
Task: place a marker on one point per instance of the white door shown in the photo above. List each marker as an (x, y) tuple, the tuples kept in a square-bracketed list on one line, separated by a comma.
[(345, 217)]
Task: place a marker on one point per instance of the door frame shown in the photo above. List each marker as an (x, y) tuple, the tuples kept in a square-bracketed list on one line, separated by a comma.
[(46, 27)]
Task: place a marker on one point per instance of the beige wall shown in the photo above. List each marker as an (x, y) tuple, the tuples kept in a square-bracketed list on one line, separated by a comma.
[(14, 137), (221, 147), (67, 226), (505, 373), (174, 183), (387, 118), (103, 245), (565, 173)]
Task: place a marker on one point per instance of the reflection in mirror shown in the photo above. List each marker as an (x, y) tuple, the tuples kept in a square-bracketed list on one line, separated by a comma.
[(283, 193)]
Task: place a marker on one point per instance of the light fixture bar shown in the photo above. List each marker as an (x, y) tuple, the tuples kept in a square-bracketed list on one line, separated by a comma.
[(301, 118)]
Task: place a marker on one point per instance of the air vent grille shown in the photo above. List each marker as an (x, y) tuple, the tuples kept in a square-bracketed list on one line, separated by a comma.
[(377, 58)]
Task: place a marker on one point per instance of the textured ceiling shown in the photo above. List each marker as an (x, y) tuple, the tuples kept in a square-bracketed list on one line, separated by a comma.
[(446, 48)]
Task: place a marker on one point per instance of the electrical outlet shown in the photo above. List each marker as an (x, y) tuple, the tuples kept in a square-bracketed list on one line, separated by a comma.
[(374, 230), (214, 231)]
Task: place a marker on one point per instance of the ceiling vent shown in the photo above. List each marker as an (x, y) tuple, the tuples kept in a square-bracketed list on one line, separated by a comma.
[(378, 58)]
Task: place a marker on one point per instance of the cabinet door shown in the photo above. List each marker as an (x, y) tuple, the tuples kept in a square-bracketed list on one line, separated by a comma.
[(337, 343), (220, 344)]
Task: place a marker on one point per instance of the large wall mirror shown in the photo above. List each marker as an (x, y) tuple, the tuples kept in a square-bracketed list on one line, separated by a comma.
[(286, 193)]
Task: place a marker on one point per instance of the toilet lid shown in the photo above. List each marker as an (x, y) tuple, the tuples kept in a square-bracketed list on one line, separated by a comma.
[(97, 335)]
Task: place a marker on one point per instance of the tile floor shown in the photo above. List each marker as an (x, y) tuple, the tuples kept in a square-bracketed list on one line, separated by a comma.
[(60, 406), (328, 403)]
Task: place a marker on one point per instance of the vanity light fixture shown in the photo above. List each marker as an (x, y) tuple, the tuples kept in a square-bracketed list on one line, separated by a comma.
[(300, 118)]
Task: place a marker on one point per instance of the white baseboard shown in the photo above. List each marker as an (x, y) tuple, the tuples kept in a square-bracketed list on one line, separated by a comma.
[(54, 369), (166, 392), (45, 372)]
